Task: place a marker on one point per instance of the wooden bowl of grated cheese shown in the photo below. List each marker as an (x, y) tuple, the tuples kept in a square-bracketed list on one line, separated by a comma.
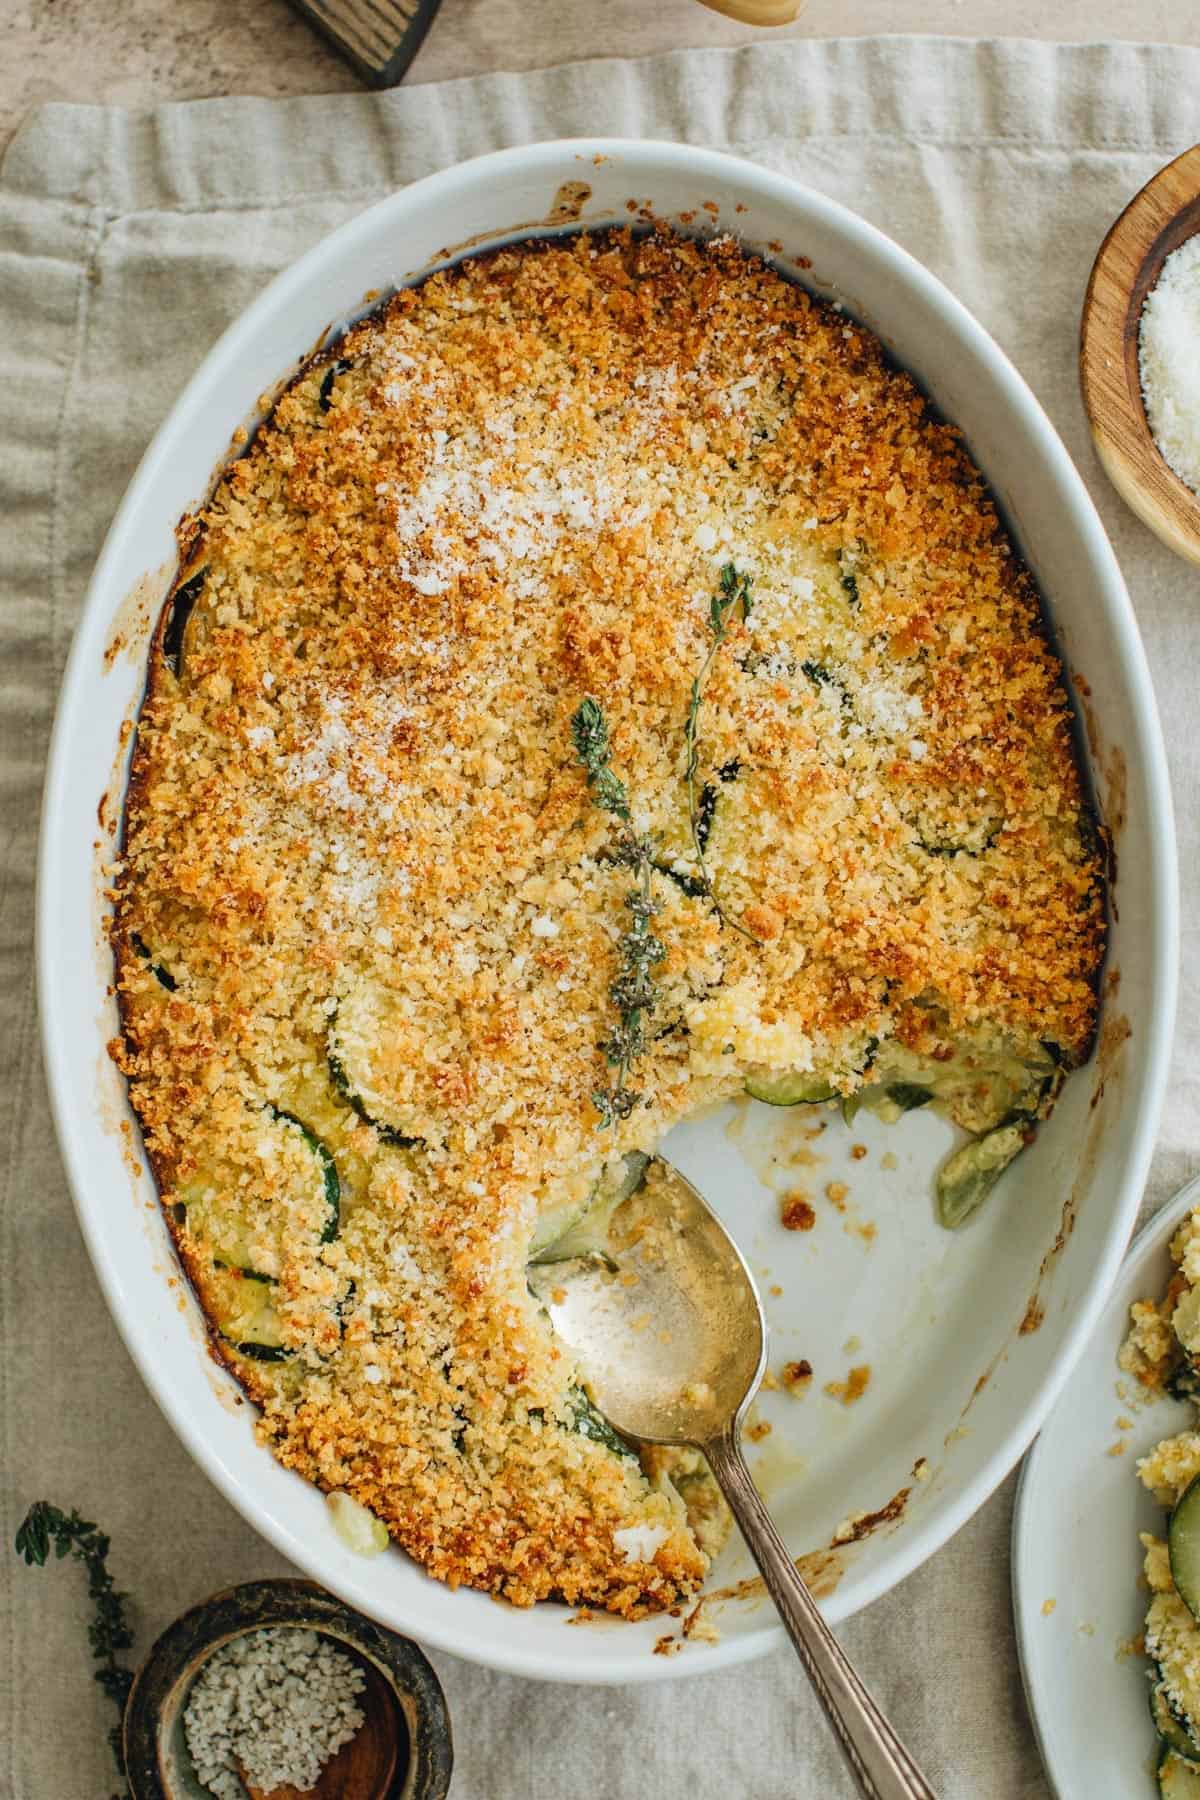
[(1139, 354)]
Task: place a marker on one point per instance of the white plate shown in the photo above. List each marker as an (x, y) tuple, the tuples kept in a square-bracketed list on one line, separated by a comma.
[(934, 1312), (1075, 1542)]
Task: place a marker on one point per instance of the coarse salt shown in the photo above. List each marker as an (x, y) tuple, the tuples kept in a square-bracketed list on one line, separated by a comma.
[(276, 1704)]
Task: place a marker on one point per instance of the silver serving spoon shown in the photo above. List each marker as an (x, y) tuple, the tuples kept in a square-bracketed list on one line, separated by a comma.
[(667, 1324)]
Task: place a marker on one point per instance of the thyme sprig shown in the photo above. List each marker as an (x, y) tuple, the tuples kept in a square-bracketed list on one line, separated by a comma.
[(733, 591), (633, 992), (109, 1632)]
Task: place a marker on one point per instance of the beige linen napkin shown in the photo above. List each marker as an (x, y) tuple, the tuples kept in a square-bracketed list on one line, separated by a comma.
[(127, 241)]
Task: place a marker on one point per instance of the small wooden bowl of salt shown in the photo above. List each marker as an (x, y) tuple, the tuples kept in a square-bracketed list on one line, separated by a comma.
[(275, 1691), (1139, 354)]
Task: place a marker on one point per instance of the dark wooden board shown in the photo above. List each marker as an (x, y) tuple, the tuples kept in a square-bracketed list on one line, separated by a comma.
[(379, 38)]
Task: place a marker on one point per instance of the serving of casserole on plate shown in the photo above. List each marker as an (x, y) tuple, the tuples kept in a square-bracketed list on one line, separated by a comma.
[(1162, 1355), (603, 704), (1109, 1659)]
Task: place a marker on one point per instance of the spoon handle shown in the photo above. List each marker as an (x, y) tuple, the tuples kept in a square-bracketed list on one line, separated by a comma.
[(882, 1767)]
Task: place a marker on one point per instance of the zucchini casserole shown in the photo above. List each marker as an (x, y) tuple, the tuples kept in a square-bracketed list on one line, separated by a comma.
[(1163, 1352), (603, 687)]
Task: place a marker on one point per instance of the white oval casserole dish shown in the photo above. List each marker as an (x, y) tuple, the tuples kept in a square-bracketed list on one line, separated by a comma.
[(939, 1316)]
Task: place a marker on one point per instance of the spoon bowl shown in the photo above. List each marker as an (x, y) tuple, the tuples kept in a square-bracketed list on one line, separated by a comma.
[(664, 1316)]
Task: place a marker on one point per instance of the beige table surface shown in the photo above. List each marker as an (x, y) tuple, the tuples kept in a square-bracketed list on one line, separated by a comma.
[(136, 52)]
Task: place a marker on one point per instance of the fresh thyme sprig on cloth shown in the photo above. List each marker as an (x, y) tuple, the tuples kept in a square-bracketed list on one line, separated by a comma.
[(734, 591), (109, 1632), (633, 992)]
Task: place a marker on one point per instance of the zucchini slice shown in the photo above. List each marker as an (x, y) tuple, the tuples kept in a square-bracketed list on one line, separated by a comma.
[(889, 1101), (976, 845), (820, 677), (242, 1304), (1183, 1383), (329, 1175), (162, 975), (182, 604), (1178, 1779), (327, 380), (234, 1224), (1183, 1543), (792, 1089), (555, 1224), (1172, 1730), (586, 1230), (907, 1096), (348, 1052), (241, 1298), (967, 1178), (693, 886), (705, 813), (981, 1084), (585, 1418), (590, 1422), (850, 560)]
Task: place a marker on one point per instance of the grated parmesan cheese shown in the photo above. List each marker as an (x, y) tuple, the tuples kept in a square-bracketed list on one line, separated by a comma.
[(1169, 361)]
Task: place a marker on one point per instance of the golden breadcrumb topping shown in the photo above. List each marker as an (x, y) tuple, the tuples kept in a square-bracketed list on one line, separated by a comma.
[(372, 911)]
